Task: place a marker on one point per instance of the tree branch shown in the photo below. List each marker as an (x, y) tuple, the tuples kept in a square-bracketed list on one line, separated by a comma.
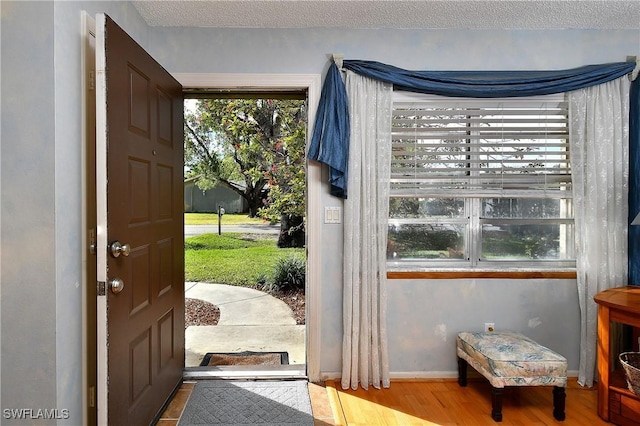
[(211, 159)]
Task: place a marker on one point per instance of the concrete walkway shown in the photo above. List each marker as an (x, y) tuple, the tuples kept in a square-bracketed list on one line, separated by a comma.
[(250, 320), (191, 230)]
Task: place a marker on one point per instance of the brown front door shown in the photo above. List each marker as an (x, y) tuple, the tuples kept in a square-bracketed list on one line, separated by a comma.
[(141, 109)]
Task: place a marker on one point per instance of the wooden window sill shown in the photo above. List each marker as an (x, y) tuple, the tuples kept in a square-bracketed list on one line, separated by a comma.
[(446, 275)]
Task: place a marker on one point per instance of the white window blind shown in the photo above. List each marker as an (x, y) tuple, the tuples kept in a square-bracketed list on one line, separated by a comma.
[(484, 147)]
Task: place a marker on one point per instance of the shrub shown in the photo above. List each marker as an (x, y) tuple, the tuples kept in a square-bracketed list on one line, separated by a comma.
[(289, 274), (262, 281)]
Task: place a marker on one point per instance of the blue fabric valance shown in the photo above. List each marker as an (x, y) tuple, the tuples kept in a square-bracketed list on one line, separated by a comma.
[(491, 84), (330, 141)]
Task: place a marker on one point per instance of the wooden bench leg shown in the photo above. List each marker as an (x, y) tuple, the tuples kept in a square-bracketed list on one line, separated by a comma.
[(559, 397), (496, 403), (462, 372)]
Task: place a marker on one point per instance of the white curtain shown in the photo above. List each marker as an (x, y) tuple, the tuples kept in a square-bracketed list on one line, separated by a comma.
[(599, 120), (364, 348)]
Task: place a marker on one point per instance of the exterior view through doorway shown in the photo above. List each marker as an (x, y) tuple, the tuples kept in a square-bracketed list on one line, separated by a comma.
[(245, 233)]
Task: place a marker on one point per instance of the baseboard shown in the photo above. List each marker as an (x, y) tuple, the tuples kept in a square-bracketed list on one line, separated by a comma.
[(419, 375), (404, 375), (330, 375)]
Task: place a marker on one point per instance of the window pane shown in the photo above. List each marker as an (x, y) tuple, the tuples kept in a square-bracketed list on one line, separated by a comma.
[(526, 208), (414, 208), (527, 242), (426, 241)]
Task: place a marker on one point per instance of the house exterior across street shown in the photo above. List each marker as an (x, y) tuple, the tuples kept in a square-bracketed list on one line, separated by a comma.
[(197, 200)]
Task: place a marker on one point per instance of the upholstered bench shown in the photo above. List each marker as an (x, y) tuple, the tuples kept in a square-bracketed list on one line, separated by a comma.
[(512, 359)]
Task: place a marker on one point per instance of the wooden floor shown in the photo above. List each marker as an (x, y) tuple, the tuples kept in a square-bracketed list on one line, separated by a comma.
[(432, 402)]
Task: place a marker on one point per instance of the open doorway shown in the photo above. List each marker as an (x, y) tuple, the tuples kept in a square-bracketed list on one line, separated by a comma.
[(311, 85), (245, 208)]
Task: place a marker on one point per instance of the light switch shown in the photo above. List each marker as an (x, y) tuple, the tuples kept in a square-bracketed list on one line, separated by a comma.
[(332, 215)]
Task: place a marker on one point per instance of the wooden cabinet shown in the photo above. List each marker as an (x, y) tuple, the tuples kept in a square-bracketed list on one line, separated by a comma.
[(616, 403)]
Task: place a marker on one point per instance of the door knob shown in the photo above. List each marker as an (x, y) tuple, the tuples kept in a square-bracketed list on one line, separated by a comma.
[(118, 249), (116, 285)]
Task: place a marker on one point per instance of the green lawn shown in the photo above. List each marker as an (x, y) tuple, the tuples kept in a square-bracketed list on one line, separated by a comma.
[(227, 219), (232, 258)]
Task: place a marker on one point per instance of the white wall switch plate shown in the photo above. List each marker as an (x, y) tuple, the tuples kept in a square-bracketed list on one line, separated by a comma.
[(332, 215)]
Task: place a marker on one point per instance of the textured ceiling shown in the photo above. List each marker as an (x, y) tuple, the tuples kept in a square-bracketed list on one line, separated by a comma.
[(453, 14)]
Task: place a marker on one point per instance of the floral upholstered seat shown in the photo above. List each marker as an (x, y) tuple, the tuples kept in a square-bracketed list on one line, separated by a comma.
[(512, 359)]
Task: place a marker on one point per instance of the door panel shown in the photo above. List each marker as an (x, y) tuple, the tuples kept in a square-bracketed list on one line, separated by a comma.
[(143, 181)]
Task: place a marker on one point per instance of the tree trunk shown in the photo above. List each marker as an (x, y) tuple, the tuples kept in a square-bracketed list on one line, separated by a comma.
[(253, 207), (292, 232), (255, 201)]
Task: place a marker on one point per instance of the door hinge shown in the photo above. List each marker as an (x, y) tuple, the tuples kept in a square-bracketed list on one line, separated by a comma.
[(92, 396), (102, 288), (92, 241), (92, 80)]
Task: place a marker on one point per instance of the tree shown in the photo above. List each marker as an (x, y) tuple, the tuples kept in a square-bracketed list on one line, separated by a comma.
[(286, 199), (256, 148)]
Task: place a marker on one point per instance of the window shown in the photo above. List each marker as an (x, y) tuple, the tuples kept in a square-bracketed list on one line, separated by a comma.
[(480, 183)]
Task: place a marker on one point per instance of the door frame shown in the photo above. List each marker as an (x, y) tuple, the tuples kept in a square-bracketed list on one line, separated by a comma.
[(89, 288), (311, 83)]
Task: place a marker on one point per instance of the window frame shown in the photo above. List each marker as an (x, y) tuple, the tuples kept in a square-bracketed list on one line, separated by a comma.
[(472, 264)]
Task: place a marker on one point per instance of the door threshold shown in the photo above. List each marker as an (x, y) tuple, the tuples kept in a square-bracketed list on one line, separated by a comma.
[(246, 372)]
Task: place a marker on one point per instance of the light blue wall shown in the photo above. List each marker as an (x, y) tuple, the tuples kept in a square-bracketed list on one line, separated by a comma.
[(425, 316), (306, 50), (27, 227), (40, 166)]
